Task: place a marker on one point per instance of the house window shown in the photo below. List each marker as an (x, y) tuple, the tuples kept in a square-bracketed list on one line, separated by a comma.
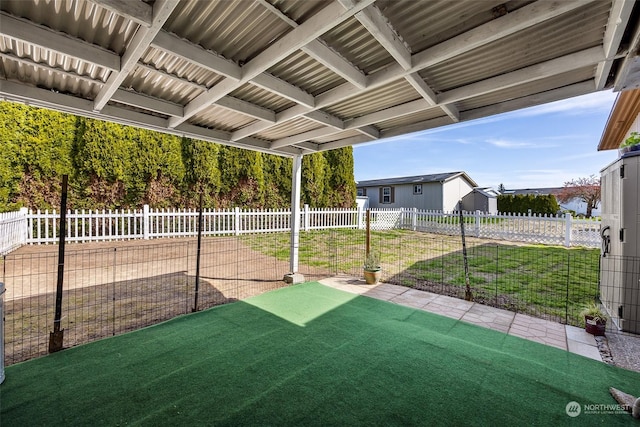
[(417, 189), (386, 194)]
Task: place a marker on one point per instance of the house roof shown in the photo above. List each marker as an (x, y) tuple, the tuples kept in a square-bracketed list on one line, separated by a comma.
[(623, 114), (418, 179), (486, 191), (534, 191), (295, 77)]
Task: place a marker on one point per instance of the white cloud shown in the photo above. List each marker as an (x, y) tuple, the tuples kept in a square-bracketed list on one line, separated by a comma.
[(593, 102), (504, 143)]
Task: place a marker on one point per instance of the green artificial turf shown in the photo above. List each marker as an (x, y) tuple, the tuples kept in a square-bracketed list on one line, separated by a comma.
[(311, 355)]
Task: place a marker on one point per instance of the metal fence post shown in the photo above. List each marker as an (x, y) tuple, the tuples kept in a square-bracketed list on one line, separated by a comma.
[(567, 231)]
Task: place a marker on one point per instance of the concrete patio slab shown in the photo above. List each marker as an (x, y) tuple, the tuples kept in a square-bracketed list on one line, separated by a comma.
[(585, 350)]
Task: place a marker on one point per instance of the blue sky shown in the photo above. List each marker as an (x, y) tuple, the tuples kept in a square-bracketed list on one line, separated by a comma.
[(542, 146)]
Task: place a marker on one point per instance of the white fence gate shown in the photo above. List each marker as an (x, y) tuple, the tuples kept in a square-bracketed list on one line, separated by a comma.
[(13, 230)]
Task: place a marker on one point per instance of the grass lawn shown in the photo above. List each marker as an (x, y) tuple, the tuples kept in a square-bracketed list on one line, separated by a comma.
[(548, 281)]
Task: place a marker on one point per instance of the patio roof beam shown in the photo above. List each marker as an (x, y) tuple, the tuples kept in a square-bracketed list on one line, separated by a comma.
[(280, 87), (301, 137), (380, 28), (318, 24), (148, 103), (38, 35), (429, 95), (134, 10), (247, 108), (162, 9), (190, 52), (323, 53), (326, 119), (618, 21)]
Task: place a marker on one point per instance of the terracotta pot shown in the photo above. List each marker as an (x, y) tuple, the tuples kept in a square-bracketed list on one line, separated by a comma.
[(594, 327), (372, 276)]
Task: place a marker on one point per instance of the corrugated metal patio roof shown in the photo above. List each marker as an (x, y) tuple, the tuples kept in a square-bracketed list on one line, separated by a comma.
[(296, 77)]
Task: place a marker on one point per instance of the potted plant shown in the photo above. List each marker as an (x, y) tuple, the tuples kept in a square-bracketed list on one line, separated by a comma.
[(595, 320), (372, 270), (632, 143)]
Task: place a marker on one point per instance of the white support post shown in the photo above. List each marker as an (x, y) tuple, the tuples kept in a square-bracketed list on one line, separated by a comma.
[(359, 221), (477, 223), (296, 179), (567, 231), (145, 222)]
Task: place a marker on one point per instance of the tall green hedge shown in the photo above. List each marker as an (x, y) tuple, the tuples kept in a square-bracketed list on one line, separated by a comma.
[(523, 203), (111, 166)]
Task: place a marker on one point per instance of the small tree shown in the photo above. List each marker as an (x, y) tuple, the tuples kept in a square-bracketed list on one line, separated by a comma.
[(501, 188), (585, 189)]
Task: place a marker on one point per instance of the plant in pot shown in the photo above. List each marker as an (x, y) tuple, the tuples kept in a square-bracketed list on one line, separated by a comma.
[(595, 320), (372, 270), (632, 143)]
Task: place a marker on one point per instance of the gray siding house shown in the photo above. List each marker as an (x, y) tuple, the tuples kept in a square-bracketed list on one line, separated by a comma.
[(440, 191)]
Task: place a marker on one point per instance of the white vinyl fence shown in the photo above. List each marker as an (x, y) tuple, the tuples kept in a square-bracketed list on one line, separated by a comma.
[(13, 230), (27, 227)]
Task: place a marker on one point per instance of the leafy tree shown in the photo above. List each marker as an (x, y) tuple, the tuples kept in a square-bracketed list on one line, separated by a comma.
[(314, 180), (543, 204), (586, 190), (202, 174), (113, 166), (341, 185), (36, 152)]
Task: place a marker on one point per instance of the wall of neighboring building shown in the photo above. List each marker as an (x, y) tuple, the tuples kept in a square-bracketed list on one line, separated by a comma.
[(579, 207), (453, 191), (404, 197)]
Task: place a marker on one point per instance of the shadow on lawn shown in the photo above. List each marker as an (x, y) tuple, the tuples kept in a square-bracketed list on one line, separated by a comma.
[(548, 282)]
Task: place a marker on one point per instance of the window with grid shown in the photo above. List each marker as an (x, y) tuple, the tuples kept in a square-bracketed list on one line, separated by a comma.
[(386, 194)]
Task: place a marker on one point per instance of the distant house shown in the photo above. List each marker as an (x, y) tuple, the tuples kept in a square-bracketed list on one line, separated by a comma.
[(441, 191), (576, 205)]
